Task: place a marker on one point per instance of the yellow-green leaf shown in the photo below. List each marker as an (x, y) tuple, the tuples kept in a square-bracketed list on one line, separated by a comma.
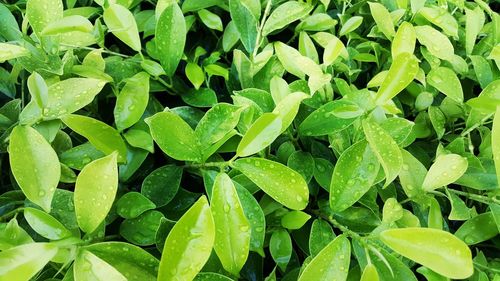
[(403, 70), (232, 240), (331, 263), (260, 135), (121, 23), (446, 81), (495, 142), (383, 19), (277, 180), (34, 164), (170, 36), (288, 107), (11, 51), (90, 267), (95, 191), (104, 137), (21, 263), (445, 170), (404, 41), (436, 249), (132, 101), (189, 244), (369, 273), (285, 14), (45, 224), (42, 12), (436, 42)]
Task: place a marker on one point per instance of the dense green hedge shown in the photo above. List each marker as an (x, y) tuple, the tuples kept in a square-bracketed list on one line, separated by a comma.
[(249, 140)]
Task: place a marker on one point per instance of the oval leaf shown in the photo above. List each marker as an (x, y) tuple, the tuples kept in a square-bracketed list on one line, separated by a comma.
[(445, 170), (170, 36)]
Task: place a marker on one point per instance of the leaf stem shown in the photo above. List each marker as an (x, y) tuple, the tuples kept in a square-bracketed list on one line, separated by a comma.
[(476, 197), (475, 126), (259, 31), (93, 49), (10, 214)]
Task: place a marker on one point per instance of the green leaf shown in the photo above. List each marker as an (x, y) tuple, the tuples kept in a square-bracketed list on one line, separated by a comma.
[(285, 14), (45, 224), (70, 95), (142, 230), (195, 74), (210, 19), (436, 43), (232, 239), (23, 262), (193, 233), (294, 219), (323, 120), (68, 24), (403, 70), (404, 40), (133, 262), (12, 235), (385, 148), (39, 15), (132, 101), (478, 229), (436, 249), (211, 276), (383, 19), (369, 273), (170, 36), (254, 214), (495, 142), (446, 81), (174, 136), (245, 23), (321, 235), (440, 17), (260, 135), (288, 107), (280, 182), (331, 263), (95, 190), (88, 266), (333, 50), (104, 137), (350, 25), (445, 170), (280, 247), (11, 51), (216, 123), (353, 175), (38, 89), (412, 175), (133, 204), (474, 22), (34, 164), (121, 23), (161, 185), (9, 29)]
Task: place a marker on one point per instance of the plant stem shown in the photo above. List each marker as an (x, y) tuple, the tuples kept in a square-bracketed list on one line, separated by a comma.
[(475, 126), (93, 49), (476, 197), (10, 214)]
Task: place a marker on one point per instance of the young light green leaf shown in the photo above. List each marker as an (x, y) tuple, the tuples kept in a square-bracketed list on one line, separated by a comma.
[(45, 224), (495, 142), (353, 175), (210, 19), (333, 50), (174, 136), (260, 135), (288, 107), (403, 70), (95, 190), (68, 24), (193, 233), (307, 48), (90, 267), (285, 14), (404, 41), (195, 74), (331, 263), (385, 148), (474, 22), (446, 81), (277, 180), (170, 36), (280, 247), (445, 170), (412, 175), (121, 23), (13, 235), (104, 137), (436, 249), (323, 121), (9, 29), (350, 25), (132, 101), (245, 23), (255, 217), (34, 164), (436, 43), (70, 95), (23, 262), (38, 89), (232, 239), (440, 17), (11, 51), (294, 219), (383, 19), (294, 62), (369, 273), (39, 15)]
